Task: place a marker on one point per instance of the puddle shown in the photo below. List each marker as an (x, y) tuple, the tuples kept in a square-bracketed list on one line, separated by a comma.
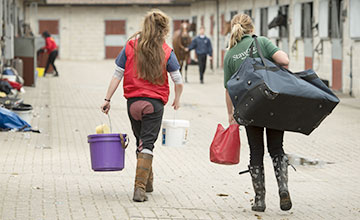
[(43, 147), (303, 161)]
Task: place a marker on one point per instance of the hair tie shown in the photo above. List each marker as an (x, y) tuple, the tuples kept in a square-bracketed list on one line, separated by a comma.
[(240, 25), (235, 27)]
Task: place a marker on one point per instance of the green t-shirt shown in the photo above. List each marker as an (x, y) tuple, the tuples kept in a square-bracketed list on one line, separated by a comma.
[(236, 55)]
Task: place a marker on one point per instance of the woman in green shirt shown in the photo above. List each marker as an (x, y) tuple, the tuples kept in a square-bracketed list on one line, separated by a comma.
[(241, 39)]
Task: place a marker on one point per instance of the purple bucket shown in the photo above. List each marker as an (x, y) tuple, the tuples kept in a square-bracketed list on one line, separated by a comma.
[(107, 152)]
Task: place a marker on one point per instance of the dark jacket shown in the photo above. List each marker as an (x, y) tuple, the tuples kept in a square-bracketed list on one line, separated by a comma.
[(202, 45)]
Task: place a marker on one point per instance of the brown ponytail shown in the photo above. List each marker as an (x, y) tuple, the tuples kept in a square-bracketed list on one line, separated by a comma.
[(149, 53)]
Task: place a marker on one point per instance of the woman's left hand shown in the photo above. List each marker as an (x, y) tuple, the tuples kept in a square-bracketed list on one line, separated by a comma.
[(231, 119), (105, 108)]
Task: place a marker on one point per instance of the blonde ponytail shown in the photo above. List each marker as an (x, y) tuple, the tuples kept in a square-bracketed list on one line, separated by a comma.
[(241, 24), (237, 33)]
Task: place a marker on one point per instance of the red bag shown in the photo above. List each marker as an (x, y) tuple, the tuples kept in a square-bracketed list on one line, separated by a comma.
[(225, 147)]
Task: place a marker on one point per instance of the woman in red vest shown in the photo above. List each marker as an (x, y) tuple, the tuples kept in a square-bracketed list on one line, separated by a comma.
[(144, 64), (52, 50)]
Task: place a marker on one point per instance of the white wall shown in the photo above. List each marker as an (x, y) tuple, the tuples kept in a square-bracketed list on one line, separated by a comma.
[(82, 29), (82, 32), (347, 44)]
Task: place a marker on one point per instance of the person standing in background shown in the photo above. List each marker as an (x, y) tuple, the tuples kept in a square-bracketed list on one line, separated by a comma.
[(202, 46)]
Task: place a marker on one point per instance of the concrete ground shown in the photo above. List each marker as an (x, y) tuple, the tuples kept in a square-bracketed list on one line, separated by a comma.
[(49, 176)]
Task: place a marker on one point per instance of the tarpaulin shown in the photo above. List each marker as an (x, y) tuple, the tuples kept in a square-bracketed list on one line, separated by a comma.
[(9, 120)]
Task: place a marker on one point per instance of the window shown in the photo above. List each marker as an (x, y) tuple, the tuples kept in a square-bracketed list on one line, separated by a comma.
[(303, 17), (194, 21), (297, 18), (273, 25), (324, 19), (232, 14), (248, 12), (307, 20), (257, 22), (263, 22), (331, 18), (336, 24), (284, 30), (354, 19)]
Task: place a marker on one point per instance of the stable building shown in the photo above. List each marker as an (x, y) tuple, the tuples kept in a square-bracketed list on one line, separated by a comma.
[(94, 30), (318, 34), (16, 39)]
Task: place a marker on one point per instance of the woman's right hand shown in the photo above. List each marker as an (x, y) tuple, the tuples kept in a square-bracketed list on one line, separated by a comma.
[(105, 107), (176, 104)]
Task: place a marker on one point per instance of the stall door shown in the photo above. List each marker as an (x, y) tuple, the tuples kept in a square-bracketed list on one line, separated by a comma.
[(336, 43), (284, 31), (115, 37), (177, 25), (51, 26), (307, 32), (212, 25), (223, 39)]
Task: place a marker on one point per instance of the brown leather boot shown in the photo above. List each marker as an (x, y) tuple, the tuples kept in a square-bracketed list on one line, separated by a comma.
[(149, 185), (144, 162)]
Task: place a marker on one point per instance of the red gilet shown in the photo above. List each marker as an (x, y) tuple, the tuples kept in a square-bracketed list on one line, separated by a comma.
[(136, 87), (50, 45)]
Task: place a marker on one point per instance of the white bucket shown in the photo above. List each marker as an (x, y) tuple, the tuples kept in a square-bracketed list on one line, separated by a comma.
[(175, 132), (24, 115)]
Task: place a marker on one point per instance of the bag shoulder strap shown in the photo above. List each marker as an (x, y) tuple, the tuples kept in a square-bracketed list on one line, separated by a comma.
[(256, 42)]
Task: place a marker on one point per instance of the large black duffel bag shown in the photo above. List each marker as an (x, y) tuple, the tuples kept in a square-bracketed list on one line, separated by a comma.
[(267, 95)]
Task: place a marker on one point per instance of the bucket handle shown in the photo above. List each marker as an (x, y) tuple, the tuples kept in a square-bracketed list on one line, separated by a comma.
[(108, 115), (124, 141)]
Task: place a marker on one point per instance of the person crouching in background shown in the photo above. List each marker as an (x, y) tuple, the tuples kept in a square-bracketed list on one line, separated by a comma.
[(52, 49)]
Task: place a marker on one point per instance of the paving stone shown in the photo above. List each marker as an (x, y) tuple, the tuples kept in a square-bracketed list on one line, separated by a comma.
[(49, 176)]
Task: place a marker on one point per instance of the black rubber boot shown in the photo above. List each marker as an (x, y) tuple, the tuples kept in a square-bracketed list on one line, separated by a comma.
[(258, 181), (281, 163)]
